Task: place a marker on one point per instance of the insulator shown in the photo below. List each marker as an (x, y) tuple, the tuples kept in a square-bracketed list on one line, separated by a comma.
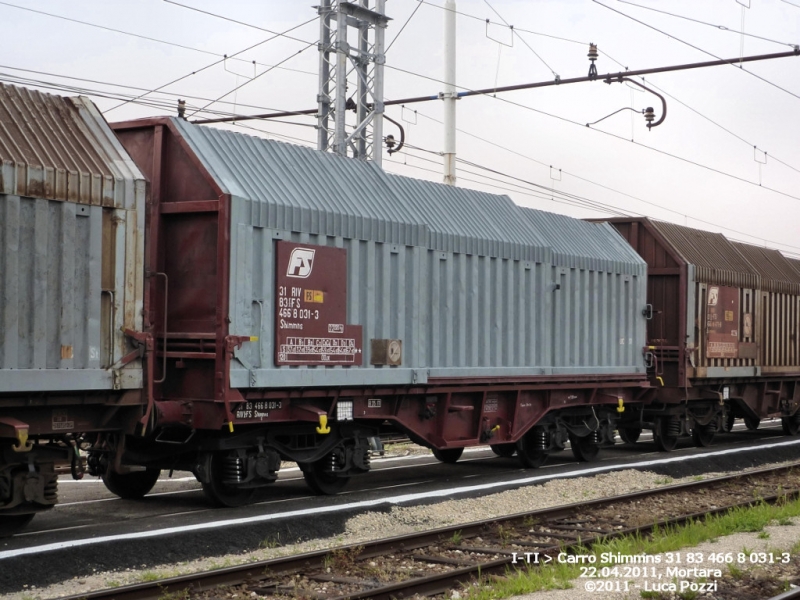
[(592, 52), (390, 141), (649, 114), (234, 470), (542, 439)]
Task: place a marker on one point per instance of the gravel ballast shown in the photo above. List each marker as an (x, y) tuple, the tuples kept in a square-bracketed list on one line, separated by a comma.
[(373, 525)]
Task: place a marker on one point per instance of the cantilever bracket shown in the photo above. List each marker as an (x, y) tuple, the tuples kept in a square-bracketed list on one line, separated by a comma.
[(620, 79)]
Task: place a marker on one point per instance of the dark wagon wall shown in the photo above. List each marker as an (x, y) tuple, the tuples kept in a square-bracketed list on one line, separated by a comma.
[(725, 324)]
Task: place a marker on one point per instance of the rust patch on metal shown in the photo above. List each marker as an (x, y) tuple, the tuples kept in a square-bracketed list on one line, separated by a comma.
[(66, 352)]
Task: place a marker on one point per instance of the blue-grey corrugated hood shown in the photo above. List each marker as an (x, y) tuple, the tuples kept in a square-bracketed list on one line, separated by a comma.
[(302, 189)]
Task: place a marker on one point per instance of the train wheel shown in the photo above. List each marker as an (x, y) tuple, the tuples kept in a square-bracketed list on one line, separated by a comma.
[(504, 450), (449, 456), (702, 435), (585, 448), (11, 524), (752, 423), (321, 480), (728, 423), (218, 492), (791, 425), (530, 448), (665, 439), (131, 486), (629, 435)]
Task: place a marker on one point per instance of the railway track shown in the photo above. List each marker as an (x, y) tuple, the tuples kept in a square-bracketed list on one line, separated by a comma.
[(435, 561)]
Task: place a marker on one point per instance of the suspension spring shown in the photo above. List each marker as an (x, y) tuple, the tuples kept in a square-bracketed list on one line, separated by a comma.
[(542, 439), (234, 470), (673, 428), (51, 490)]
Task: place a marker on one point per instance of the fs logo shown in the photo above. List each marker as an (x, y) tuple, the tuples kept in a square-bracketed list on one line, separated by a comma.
[(301, 262)]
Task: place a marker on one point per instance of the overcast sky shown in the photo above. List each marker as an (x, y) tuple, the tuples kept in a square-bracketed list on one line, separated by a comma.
[(538, 137)]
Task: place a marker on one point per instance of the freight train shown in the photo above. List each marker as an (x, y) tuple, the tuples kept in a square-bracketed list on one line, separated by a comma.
[(174, 296)]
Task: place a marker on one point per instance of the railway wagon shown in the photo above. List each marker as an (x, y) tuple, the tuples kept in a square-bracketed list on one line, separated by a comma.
[(724, 335), (296, 300), (71, 281)]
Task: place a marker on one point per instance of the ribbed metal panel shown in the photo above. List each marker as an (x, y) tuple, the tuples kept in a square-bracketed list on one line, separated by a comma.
[(458, 315), (585, 245), (716, 260), (795, 264), (777, 273), (293, 188), (462, 220), (481, 292), (50, 148), (71, 246)]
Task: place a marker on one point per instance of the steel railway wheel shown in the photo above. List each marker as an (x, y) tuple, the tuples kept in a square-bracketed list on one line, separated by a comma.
[(11, 524), (629, 435), (728, 423), (222, 470), (752, 423), (449, 455), (791, 425), (131, 486), (532, 448), (321, 480), (585, 448), (504, 450), (666, 434), (703, 435)]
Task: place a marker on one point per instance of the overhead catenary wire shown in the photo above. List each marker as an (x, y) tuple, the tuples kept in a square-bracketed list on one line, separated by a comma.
[(283, 34), (616, 191), (677, 39), (559, 197), (720, 27), (411, 16), (249, 81), (514, 33), (257, 44), (94, 91), (613, 135), (407, 21), (142, 37), (482, 19)]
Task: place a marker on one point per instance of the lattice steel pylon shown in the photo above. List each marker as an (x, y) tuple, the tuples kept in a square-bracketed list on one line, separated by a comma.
[(362, 138)]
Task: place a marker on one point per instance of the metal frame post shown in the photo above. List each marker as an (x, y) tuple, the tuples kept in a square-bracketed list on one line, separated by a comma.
[(363, 139)]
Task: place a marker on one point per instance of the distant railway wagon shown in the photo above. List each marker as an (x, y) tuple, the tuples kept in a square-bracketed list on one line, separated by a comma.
[(174, 296), (723, 341)]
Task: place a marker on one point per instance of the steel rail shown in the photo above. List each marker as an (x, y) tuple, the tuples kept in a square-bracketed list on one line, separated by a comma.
[(526, 86), (198, 582)]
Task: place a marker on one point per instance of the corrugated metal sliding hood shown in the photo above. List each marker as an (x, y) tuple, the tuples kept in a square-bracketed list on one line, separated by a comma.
[(62, 149), (300, 189)]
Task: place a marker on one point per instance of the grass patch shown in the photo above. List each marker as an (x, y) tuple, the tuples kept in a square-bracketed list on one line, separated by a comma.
[(663, 539)]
